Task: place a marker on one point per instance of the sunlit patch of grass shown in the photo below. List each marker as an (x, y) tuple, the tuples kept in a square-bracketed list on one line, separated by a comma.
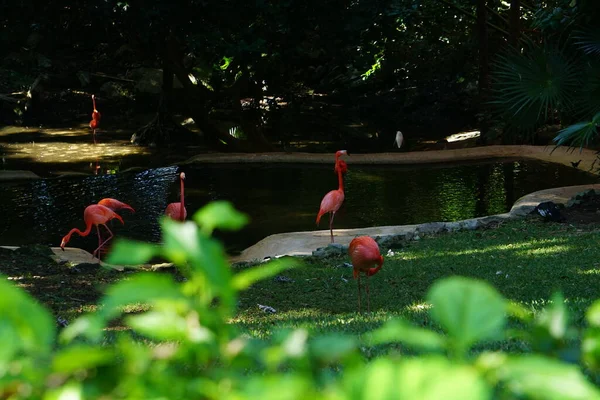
[(594, 271), (527, 261)]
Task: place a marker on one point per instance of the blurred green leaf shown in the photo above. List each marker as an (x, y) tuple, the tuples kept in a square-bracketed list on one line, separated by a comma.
[(71, 390), (220, 215), (551, 333), (144, 288), (10, 344), (244, 279), (81, 357), (180, 241), (539, 377), (592, 314), (423, 378), (469, 310), (30, 322), (400, 331), (278, 387), (90, 326), (333, 348), (590, 348), (166, 324), (130, 252)]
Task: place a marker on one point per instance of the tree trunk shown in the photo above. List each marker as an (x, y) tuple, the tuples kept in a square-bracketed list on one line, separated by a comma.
[(484, 69)]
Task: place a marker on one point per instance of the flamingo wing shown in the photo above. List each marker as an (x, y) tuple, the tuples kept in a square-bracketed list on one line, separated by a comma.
[(173, 211), (330, 203)]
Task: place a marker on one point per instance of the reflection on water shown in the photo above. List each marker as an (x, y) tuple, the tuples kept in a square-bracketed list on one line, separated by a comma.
[(278, 198)]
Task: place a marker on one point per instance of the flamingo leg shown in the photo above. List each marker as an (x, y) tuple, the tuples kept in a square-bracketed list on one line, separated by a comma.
[(103, 243), (99, 241), (331, 216), (358, 282), (368, 296)]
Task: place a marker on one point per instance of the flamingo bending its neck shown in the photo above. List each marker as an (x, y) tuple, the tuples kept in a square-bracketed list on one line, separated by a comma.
[(333, 200), (364, 253), (177, 211), (97, 215)]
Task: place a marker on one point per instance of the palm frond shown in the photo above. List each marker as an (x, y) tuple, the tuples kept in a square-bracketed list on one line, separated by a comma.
[(527, 86), (588, 40), (580, 134)]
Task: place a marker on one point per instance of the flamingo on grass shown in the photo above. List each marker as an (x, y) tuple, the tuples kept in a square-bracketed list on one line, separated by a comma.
[(333, 200), (97, 215), (95, 118), (177, 211), (365, 256)]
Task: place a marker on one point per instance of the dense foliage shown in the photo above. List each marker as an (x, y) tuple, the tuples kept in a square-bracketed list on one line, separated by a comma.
[(256, 75), (181, 345)]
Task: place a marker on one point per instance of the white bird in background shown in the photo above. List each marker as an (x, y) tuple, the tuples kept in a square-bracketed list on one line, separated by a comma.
[(399, 139)]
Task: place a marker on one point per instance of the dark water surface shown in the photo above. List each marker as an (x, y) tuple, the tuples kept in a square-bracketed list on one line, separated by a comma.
[(278, 197)]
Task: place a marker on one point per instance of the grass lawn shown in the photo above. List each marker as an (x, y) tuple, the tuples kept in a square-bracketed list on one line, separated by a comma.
[(525, 260)]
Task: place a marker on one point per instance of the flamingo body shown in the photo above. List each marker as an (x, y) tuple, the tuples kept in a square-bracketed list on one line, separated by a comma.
[(97, 215), (177, 211), (331, 203), (115, 204), (366, 258)]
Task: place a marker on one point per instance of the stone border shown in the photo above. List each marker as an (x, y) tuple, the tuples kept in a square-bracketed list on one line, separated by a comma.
[(562, 155), (311, 243)]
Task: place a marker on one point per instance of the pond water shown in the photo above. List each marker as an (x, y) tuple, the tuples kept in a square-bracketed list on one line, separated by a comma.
[(277, 197)]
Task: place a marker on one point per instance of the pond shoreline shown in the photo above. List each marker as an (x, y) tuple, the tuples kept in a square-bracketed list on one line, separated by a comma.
[(562, 155), (304, 243)]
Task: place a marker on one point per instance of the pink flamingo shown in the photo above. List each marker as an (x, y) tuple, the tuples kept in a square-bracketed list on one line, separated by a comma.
[(333, 200), (364, 253), (115, 204), (177, 211), (97, 215), (95, 118)]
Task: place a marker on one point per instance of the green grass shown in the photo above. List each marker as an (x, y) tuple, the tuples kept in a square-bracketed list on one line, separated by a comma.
[(525, 260)]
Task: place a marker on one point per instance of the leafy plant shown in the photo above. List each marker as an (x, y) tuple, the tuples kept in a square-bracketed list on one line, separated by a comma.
[(182, 345)]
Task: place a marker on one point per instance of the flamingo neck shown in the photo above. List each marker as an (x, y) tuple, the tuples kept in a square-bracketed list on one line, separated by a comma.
[(182, 208), (340, 180), (87, 231), (94, 102), (373, 271)]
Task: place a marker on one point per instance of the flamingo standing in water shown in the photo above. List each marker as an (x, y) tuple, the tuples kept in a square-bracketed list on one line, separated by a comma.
[(95, 118), (94, 214), (364, 253), (333, 200), (177, 211)]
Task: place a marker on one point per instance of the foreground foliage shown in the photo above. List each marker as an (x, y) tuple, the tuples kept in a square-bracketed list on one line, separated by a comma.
[(183, 345)]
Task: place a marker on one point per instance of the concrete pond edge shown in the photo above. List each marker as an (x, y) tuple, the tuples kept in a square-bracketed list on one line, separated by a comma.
[(316, 243)]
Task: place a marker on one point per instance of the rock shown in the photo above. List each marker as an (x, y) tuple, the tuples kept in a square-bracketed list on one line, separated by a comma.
[(431, 227), (394, 241), (470, 224), (333, 249)]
